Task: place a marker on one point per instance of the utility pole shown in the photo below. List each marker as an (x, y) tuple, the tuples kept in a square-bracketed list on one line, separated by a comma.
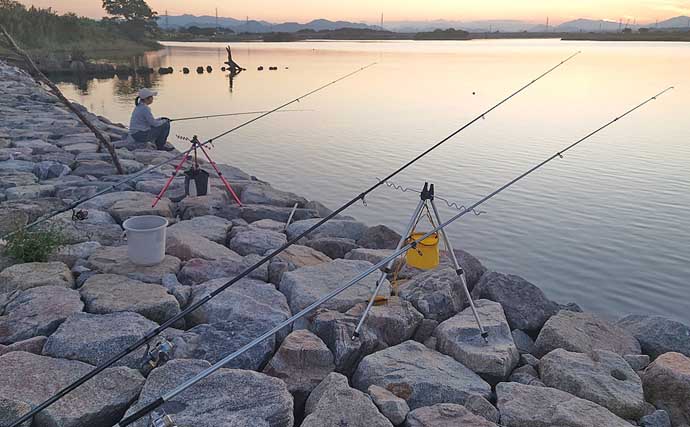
[(167, 24), (620, 25), (217, 28), (381, 21), (547, 24)]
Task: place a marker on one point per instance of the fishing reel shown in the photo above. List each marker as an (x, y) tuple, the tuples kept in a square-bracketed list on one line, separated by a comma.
[(159, 355), (162, 420), (80, 215)]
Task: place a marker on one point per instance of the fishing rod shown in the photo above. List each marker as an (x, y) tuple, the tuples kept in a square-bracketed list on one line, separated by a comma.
[(287, 322), (155, 332), (178, 156), (246, 113)]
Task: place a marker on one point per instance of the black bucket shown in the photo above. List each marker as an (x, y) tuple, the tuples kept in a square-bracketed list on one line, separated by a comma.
[(200, 179)]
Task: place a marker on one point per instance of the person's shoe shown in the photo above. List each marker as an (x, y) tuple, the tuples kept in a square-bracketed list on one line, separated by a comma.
[(166, 147)]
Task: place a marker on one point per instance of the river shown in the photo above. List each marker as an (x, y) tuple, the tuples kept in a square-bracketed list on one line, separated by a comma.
[(606, 227)]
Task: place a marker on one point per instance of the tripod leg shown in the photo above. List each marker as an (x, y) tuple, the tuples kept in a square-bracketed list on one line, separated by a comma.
[(220, 175), (167, 184), (404, 237), (461, 273)]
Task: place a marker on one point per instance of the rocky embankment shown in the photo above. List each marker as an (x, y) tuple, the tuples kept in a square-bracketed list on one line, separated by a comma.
[(418, 362)]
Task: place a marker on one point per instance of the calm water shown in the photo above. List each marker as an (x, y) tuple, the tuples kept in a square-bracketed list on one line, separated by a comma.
[(606, 227)]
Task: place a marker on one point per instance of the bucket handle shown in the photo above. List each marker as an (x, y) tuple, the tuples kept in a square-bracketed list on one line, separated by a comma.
[(123, 236)]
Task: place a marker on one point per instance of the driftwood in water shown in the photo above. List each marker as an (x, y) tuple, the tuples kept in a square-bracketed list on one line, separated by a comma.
[(232, 65), (103, 141)]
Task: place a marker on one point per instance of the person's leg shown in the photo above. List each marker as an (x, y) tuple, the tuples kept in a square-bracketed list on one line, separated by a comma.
[(161, 134)]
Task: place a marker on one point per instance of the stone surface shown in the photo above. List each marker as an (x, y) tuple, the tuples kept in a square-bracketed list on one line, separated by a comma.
[(525, 305), (99, 227), (335, 403), (637, 361), (582, 333), (11, 410), (335, 228), (269, 224), (526, 374), (292, 258), (125, 209), (229, 396), (69, 254), (602, 377), (333, 247), (196, 271), (374, 256), (114, 260), (32, 345), (379, 237), (658, 335), (658, 418), (445, 415), (35, 274), (210, 227), (301, 362), (461, 338), (262, 194), (523, 342), (437, 294), (390, 405), (482, 407), (473, 268), (37, 312), (253, 213), (420, 376), (94, 338), (393, 322), (667, 386), (186, 245), (111, 293), (256, 241), (308, 284), (529, 406), (99, 402)]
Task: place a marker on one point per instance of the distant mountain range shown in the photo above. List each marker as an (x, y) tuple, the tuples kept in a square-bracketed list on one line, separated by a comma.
[(253, 26)]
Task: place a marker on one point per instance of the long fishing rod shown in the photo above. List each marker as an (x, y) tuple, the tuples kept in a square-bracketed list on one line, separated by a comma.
[(245, 113), (178, 156), (155, 332), (287, 322)]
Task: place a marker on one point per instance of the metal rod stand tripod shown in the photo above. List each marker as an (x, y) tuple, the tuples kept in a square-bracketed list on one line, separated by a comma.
[(426, 199), (196, 145)]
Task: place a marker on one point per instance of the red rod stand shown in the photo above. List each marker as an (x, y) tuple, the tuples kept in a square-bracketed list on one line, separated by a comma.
[(167, 184), (220, 175)]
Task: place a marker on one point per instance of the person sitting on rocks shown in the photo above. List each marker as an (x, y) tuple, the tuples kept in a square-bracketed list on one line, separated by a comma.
[(143, 127)]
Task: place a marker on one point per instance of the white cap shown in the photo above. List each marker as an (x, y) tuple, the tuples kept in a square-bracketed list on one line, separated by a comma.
[(145, 93)]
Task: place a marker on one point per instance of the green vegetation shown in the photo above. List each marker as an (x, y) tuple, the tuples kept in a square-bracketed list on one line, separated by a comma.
[(34, 245), (449, 34)]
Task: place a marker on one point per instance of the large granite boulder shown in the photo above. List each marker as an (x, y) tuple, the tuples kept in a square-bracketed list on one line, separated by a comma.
[(122, 210), (530, 406), (667, 386), (263, 194), (99, 227), (437, 294), (11, 410), (379, 237), (253, 213), (393, 321), (29, 379), (525, 305), (95, 338), (110, 293), (210, 227), (335, 403), (229, 397), (460, 338), (306, 285), (445, 415), (472, 267), (36, 312), (197, 270), (256, 241), (35, 274), (301, 362), (292, 258), (186, 245), (582, 333), (658, 335), (601, 376), (334, 228), (390, 405), (114, 260), (421, 376)]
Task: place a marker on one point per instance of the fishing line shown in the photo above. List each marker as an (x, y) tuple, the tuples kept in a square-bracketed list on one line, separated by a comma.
[(155, 332), (451, 204), (246, 113), (287, 322)]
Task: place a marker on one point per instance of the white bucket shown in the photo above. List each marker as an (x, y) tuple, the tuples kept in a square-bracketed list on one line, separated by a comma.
[(146, 239)]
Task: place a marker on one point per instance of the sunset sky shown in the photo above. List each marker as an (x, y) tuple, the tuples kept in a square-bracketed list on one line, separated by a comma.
[(395, 10)]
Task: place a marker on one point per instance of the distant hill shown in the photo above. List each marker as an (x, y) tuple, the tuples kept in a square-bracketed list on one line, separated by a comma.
[(677, 22), (590, 25), (252, 26)]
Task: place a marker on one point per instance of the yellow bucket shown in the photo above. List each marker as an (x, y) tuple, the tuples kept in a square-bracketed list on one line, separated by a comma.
[(426, 255)]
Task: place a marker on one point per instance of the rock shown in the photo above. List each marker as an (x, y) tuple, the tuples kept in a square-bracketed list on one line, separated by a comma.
[(379, 237), (659, 418), (181, 292), (229, 396), (308, 284), (94, 338), (35, 274), (390, 405), (333, 403), (196, 271), (216, 204), (186, 245), (582, 333), (483, 408), (49, 169), (437, 294), (525, 305), (393, 322), (526, 374), (256, 241), (17, 165), (262, 194), (658, 335), (99, 402), (667, 386), (37, 146), (529, 406), (37, 312), (11, 410), (425, 330), (528, 359), (253, 213), (99, 227), (473, 268), (97, 168), (32, 345), (445, 415), (301, 362), (460, 338), (601, 377), (10, 178), (292, 258), (333, 247), (114, 260), (210, 227), (420, 376), (334, 228), (30, 192), (523, 342), (111, 293), (374, 256), (125, 209), (69, 254), (637, 362), (269, 224)]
